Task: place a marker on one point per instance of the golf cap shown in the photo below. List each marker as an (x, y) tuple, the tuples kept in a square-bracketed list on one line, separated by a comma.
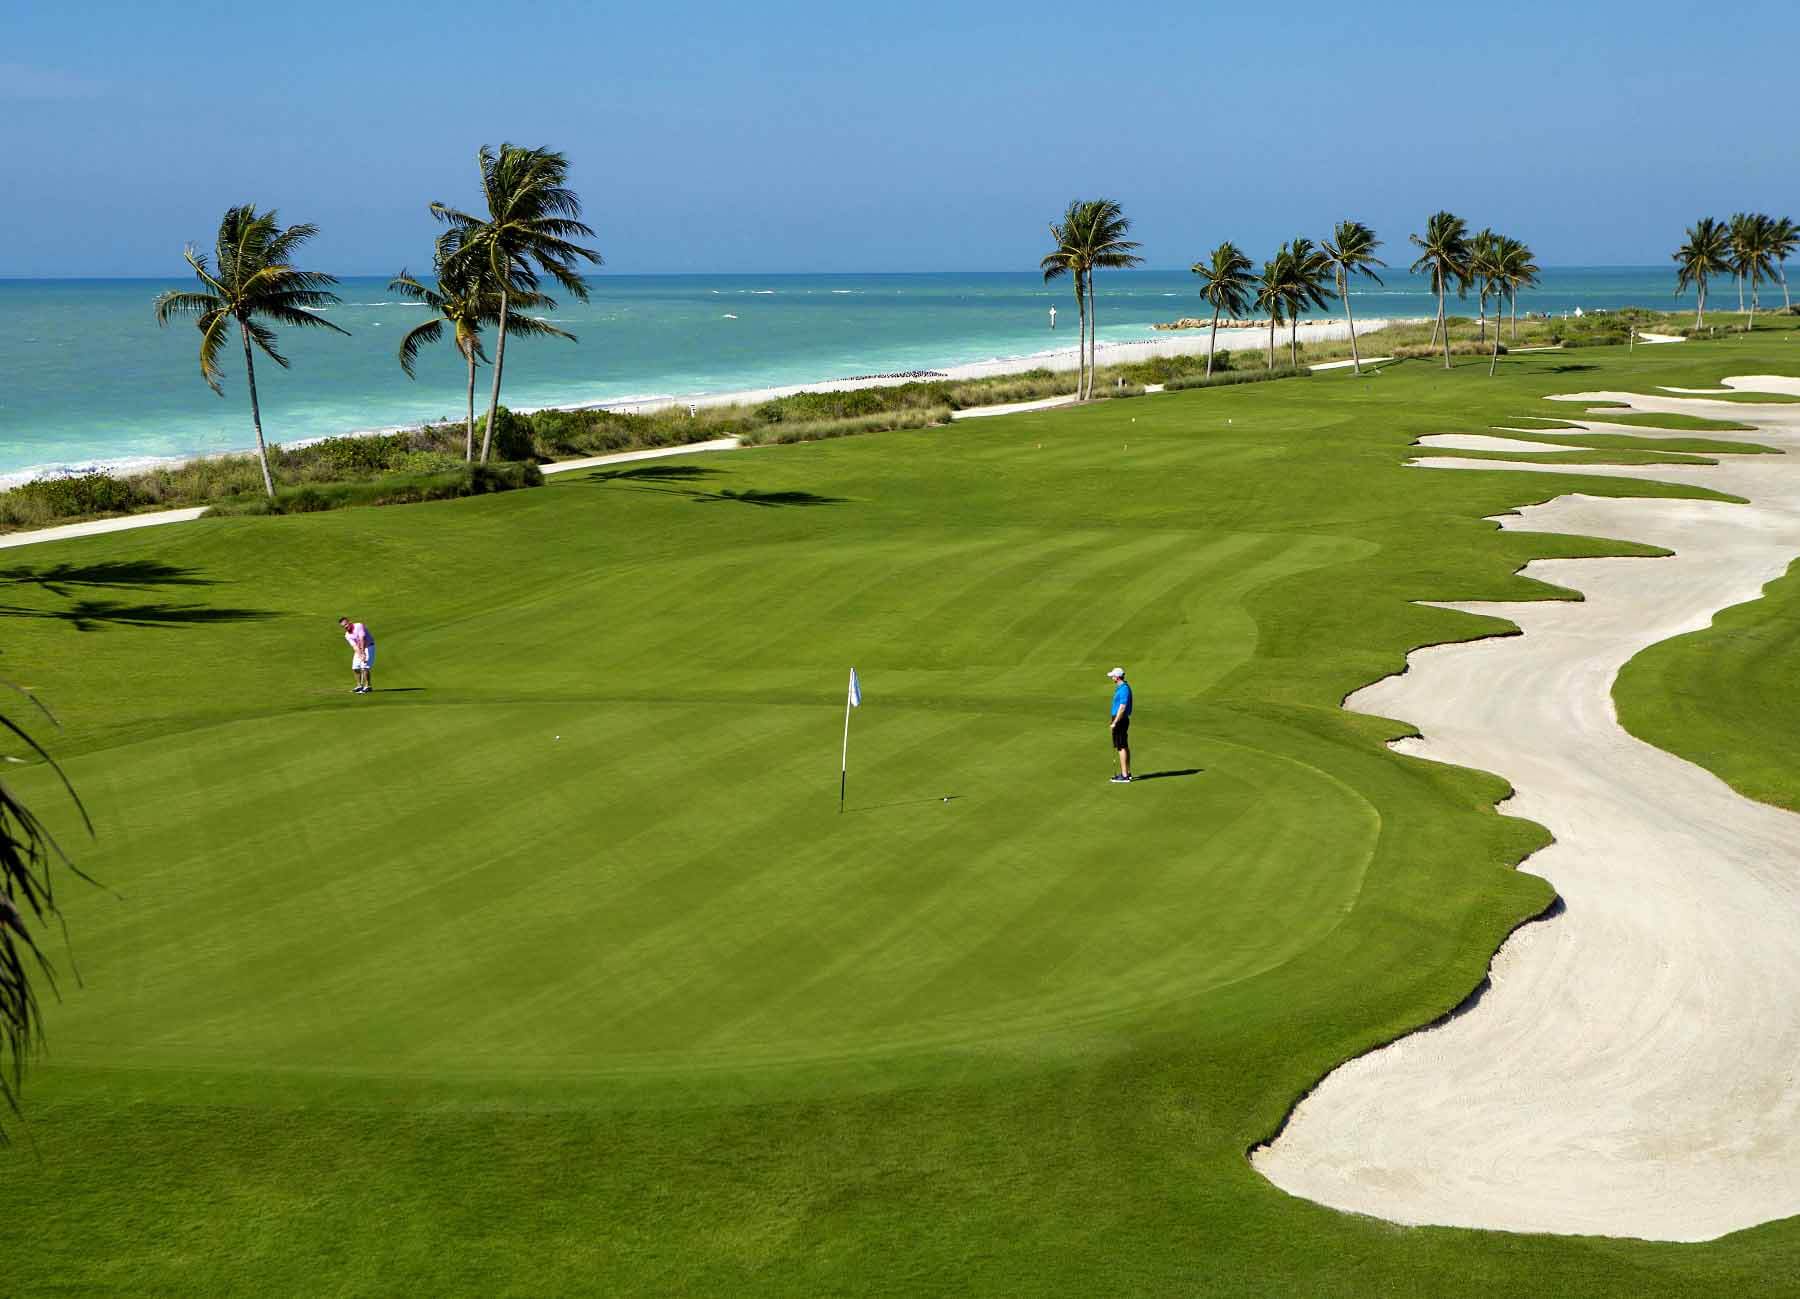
[(1116, 672)]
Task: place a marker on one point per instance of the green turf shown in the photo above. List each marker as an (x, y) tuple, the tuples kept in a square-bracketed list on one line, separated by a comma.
[(407, 995), (1728, 697)]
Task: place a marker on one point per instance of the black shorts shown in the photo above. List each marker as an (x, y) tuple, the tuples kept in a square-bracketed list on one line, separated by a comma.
[(1121, 733)]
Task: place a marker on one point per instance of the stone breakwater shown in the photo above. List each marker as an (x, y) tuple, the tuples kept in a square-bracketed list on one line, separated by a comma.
[(1194, 322)]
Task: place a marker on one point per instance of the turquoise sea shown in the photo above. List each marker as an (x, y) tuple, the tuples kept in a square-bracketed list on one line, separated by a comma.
[(87, 377)]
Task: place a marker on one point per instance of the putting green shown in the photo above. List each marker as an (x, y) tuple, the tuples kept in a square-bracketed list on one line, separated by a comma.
[(407, 994)]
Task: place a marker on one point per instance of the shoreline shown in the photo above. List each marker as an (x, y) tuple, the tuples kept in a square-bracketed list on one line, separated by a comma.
[(1125, 352)]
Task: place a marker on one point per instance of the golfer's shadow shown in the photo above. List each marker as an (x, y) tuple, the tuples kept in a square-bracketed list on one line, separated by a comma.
[(1164, 775)]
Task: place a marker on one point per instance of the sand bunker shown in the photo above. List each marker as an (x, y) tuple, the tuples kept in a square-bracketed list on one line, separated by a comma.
[(1634, 1067)]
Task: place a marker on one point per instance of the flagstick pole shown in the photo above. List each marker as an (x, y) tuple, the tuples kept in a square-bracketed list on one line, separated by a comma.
[(844, 770)]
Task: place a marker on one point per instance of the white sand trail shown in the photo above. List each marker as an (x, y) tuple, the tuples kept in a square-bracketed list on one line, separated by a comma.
[(1633, 1068)]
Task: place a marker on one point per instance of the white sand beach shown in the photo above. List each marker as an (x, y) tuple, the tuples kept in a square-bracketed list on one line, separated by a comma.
[(1630, 1070)]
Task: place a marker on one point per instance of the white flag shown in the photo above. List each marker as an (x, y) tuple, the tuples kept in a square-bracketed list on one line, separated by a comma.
[(855, 690)]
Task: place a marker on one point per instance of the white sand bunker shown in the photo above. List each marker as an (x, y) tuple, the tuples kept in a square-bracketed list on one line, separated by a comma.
[(1634, 1067), (1481, 442)]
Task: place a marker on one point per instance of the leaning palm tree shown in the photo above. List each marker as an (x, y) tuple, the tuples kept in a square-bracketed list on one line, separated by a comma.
[(531, 224), (1066, 257), (254, 285), (1102, 232), (1487, 266), (1305, 272), (1706, 253), (1784, 237), (1348, 253), (1443, 253), (1521, 273), (1271, 294), (465, 303), (1225, 285)]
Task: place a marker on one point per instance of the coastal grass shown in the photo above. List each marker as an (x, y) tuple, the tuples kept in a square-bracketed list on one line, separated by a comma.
[(552, 967)]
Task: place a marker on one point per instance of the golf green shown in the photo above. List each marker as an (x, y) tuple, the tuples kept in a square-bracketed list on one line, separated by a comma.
[(553, 967)]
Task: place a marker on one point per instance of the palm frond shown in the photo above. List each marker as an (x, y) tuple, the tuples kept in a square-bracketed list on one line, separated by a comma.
[(417, 337)]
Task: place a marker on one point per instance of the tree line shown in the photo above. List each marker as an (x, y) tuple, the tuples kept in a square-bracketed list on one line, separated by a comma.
[(1751, 248), (489, 270)]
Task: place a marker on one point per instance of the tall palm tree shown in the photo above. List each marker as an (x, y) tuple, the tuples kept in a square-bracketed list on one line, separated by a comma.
[(1753, 249), (1487, 266), (1225, 285), (1521, 273), (1103, 232), (1784, 237), (1738, 233), (1348, 253), (1271, 295), (1444, 254), (533, 219), (463, 301), (1067, 257), (1707, 252), (1304, 276), (1483, 240), (254, 285)]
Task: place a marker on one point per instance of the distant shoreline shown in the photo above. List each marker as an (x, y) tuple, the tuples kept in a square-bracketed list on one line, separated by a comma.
[(1174, 343)]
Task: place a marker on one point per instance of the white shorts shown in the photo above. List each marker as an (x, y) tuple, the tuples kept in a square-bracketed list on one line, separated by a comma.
[(361, 662)]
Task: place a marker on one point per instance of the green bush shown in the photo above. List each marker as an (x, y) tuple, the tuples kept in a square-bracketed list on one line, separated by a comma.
[(512, 435), (1231, 377), (67, 497), (818, 430), (394, 489)]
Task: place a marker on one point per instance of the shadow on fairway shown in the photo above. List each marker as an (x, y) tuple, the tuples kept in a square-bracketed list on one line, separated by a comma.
[(668, 479), (75, 583), (908, 802), (1572, 369), (1164, 775)]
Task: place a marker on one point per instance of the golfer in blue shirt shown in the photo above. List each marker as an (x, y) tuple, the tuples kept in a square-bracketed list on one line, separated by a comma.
[(1119, 723)]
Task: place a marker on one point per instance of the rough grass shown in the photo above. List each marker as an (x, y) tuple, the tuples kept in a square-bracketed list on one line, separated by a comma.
[(552, 967)]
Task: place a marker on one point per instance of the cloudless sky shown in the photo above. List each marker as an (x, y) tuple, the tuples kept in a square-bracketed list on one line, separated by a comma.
[(798, 135)]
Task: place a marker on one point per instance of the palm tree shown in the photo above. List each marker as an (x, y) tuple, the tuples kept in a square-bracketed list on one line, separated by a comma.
[(1488, 267), (1483, 240), (1521, 273), (1068, 258), (1444, 253), (466, 304), (1784, 236), (1103, 229), (1271, 296), (1304, 272), (1738, 233), (1707, 252), (1350, 252), (531, 224), (254, 285), (1225, 285), (1753, 248)]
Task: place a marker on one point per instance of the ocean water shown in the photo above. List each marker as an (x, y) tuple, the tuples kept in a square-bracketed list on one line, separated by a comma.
[(87, 377)]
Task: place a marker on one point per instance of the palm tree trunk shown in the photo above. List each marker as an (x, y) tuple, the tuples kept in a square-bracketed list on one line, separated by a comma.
[(1271, 340), (469, 428), (1751, 324), (1093, 334), (1515, 315), (1294, 341), (1700, 307), (1787, 303), (487, 434), (1212, 342), (1739, 277), (1437, 285), (1482, 324), (1443, 325), (1350, 317), (262, 450), (1494, 360)]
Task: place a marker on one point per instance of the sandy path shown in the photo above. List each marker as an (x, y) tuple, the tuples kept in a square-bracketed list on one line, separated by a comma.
[(1634, 1067)]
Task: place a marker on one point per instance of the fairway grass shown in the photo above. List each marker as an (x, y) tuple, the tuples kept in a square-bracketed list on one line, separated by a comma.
[(553, 968)]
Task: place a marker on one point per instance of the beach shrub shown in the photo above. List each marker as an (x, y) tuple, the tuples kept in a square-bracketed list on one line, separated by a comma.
[(1458, 347), (1231, 377), (819, 430), (394, 489), (512, 435), (70, 496)]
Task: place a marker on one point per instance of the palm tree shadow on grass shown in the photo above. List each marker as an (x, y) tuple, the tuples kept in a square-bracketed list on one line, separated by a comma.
[(78, 585), (668, 479)]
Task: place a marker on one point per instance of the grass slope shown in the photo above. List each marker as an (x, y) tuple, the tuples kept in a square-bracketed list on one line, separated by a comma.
[(406, 994)]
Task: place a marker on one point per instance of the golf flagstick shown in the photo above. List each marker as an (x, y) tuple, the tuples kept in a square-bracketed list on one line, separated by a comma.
[(851, 700)]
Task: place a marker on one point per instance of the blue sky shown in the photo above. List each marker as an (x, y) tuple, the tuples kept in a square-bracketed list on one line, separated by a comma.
[(793, 135)]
